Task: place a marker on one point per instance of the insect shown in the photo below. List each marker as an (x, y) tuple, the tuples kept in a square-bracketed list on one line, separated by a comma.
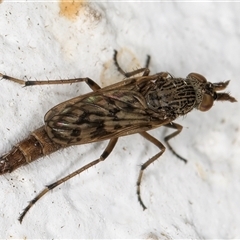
[(135, 105)]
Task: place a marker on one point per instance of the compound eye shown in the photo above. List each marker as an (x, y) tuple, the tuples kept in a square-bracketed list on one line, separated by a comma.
[(198, 77), (207, 103)]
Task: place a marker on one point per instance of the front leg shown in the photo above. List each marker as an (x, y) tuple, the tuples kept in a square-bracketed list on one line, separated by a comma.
[(178, 129)]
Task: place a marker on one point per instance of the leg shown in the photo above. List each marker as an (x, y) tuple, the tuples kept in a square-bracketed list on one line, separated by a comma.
[(147, 61), (94, 86), (48, 188), (145, 70), (178, 129), (147, 163)]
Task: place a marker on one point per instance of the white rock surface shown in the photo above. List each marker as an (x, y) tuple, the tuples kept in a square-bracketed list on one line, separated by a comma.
[(197, 200)]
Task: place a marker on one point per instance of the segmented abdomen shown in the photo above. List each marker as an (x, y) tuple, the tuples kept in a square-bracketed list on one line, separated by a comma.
[(38, 144)]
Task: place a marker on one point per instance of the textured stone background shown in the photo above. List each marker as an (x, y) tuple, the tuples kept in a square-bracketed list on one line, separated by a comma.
[(65, 40)]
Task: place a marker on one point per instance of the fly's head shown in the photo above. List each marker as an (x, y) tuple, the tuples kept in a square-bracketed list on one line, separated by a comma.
[(207, 92)]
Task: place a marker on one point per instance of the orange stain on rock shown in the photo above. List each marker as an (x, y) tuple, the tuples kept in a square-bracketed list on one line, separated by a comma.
[(70, 9)]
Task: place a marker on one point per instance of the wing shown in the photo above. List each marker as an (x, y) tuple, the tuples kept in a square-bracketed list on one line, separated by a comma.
[(99, 116)]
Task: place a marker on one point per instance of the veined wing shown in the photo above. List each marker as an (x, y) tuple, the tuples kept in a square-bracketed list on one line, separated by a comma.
[(99, 116)]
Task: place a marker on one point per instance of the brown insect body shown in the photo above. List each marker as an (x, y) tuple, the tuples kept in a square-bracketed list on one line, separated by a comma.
[(109, 112), (135, 105), (113, 111)]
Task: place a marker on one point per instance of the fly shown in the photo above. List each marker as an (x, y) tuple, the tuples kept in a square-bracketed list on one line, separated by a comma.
[(135, 105)]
